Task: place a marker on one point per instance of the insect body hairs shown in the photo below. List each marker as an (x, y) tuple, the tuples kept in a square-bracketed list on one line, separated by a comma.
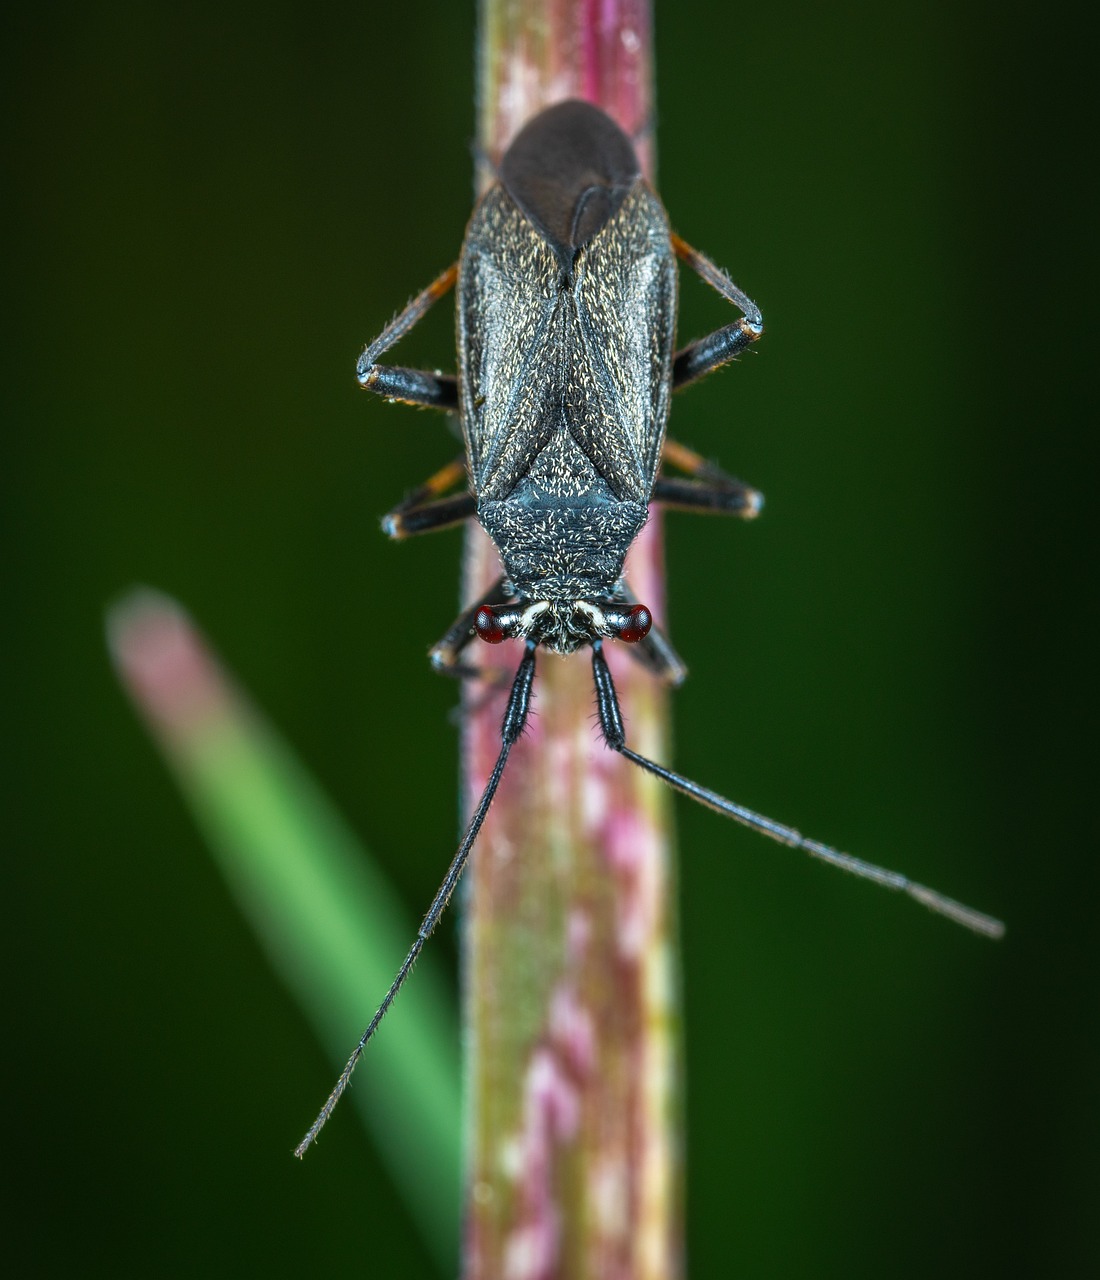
[(566, 297)]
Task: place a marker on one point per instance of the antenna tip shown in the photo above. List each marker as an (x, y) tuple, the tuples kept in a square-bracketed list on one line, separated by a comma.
[(977, 921)]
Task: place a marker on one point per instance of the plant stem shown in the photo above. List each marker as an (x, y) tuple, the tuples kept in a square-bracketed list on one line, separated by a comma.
[(570, 1009)]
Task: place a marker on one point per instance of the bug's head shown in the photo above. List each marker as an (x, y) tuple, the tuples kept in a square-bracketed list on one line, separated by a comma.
[(563, 625)]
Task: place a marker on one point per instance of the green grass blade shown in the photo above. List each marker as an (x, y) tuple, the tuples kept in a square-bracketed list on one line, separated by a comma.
[(324, 913)]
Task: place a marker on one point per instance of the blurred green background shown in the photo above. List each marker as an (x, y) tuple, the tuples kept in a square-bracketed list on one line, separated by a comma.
[(212, 208)]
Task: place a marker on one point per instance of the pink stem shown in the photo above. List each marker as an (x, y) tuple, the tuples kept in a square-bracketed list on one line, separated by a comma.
[(574, 1162)]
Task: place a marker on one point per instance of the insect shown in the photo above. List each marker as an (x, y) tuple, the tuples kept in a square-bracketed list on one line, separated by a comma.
[(566, 293)]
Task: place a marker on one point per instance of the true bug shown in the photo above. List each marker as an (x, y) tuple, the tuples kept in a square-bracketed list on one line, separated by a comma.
[(566, 302)]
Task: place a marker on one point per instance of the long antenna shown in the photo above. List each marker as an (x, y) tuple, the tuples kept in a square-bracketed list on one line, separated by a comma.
[(611, 722), (515, 717)]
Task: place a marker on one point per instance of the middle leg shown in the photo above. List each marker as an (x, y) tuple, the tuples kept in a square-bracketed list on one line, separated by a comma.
[(709, 489), (425, 509)]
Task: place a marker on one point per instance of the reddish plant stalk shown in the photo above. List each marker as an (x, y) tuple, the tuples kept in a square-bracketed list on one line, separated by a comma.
[(570, 1008)]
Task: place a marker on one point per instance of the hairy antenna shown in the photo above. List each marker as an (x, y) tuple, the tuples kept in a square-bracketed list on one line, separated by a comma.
[(515, 717), (611, 723)]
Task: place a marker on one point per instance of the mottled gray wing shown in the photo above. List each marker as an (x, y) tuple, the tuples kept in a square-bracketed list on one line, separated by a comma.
[(507, 291), (626, 304), (539, 354)]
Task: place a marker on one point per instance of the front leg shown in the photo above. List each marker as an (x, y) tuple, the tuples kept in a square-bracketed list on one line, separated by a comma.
[(654, 651), (446, 656)]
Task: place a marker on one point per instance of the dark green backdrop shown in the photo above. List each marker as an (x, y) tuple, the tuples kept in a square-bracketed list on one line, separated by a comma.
[(214, 207)]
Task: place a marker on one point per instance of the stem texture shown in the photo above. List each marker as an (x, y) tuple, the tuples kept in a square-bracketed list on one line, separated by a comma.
[(570, 1008)]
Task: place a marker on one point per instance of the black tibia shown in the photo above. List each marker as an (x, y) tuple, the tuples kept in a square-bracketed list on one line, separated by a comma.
[(707, 354), (720, 347), (707, 497), (446, 654), (659, 658), (424, 510), (710, 489), (403, 522), (413, 386)]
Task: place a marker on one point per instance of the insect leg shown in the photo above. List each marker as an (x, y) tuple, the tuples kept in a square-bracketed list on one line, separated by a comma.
[(704, 355), (710, 489), (412, 386), (515, 717), (423, 510), (655, 651), (445, 656), (611, 724), (427, 517)]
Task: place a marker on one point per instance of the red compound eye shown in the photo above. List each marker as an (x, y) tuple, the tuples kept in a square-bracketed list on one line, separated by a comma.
[(636, 627), (487, 625)]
